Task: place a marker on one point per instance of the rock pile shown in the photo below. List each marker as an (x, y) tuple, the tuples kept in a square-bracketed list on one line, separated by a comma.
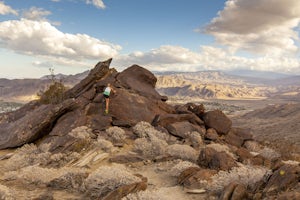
[(72, 150)]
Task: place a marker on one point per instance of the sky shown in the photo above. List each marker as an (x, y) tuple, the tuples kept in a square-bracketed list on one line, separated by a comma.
[(72, 36)]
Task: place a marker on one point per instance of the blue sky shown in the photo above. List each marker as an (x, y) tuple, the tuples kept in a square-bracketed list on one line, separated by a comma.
[(71, 36)]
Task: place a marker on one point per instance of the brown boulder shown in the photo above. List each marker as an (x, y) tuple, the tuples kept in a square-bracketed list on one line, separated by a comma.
[(282, 179), (234, 191), (210, 158), (292, 195), (190, 108), (212, 134), (100, 70), (218, 120), (33, 125), (191, 177), (181, 129), (170, 118), (237, 137), (139, 80), (244, 155)]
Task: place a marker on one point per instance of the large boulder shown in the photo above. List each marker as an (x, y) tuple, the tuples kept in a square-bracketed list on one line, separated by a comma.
[(234, 191), (210, 158), (33, 125), (139, 80), (237, 136), (218, 120), (284, 178), (183, 129)]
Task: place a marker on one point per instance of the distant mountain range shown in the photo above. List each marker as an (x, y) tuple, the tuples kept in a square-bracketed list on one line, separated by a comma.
[(224, 85), (202, 84)]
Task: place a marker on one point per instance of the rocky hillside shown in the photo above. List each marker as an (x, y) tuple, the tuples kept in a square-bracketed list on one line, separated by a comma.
[(25, 90), (143, 149), (278, 126)]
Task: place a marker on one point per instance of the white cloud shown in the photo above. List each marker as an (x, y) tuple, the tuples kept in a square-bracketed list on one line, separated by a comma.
[(40, 38), (97, 3), (163, 58), (259, 26), (175, 58), (5, 9), (36, 13), (46, 64)]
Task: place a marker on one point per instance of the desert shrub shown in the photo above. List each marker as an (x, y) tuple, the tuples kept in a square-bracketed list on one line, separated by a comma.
[(108, 178), (195, 139), (81, 132), (61, 159), (72, 179), (180, 167), (32, 175), (39, 175), (6, 193), (150, 148), (222, 148), (117, 134), (26, 155), (146, 130), (252, 146), (154, 194), (54, 94), (29, 154), (183, 152), (162, 193), (269, 153), (104, 145), (265, 152), (83, 138), (244, 174), (141, 129)]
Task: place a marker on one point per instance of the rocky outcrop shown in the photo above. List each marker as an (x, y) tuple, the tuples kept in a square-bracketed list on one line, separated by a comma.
[(79, 149), (135, 100)]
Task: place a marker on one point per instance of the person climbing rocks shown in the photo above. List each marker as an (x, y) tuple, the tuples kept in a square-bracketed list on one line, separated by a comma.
[(107, 91)]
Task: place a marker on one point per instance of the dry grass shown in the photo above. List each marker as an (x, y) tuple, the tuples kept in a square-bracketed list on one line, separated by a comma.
[(6, 193), (195, 139), (244, 174), (154, 194), (150, 147), (81, 132), (30, 155), (104, 145), (269, 153), (108, 178), (183, 152), (146, 130), (38, 175), (116, 134)]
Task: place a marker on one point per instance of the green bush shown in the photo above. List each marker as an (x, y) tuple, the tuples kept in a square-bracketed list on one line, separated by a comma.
[(54, 94)]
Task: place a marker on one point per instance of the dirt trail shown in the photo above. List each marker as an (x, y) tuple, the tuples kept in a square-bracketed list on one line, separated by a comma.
[(161, 180)]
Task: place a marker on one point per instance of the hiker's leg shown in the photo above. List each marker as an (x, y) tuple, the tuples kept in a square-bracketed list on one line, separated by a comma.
[(107, 104)]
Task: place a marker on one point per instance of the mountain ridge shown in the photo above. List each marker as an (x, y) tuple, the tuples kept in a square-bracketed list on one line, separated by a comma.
[(202, 84)]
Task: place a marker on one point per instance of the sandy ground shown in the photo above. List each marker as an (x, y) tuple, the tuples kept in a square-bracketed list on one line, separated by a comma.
[(160, 180)]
